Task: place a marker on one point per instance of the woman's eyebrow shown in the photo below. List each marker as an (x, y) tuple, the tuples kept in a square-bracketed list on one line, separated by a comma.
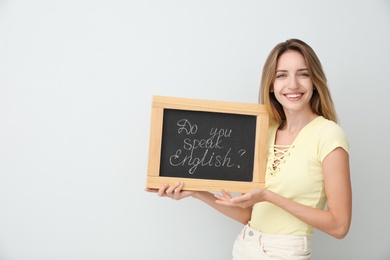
[(284, 70)]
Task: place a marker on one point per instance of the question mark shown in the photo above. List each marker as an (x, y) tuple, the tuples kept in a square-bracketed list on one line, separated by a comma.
[(241, 152)]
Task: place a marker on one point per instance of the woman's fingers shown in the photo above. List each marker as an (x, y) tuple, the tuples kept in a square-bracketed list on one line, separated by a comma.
[(162, 191), (226, 194), (175, 191), (171, 191)]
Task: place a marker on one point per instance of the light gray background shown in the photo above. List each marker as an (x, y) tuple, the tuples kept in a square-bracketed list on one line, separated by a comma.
[(76, 82)]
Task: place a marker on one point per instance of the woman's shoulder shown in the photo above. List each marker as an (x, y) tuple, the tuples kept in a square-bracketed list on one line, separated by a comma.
[(329, 133), (273, 125), (326, 126), (272, 128)]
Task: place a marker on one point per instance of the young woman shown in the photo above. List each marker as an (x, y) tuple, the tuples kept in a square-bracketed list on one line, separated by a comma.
[(307, 167)]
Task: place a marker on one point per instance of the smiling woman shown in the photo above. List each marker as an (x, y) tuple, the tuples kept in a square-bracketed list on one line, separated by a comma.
[(307, 164), (293, 87), (280, 69)]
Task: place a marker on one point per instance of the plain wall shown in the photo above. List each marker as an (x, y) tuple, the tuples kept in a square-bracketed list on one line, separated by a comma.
[(76, 84)]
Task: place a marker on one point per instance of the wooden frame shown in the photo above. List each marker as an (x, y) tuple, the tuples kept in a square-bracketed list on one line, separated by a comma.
[(154, 180)]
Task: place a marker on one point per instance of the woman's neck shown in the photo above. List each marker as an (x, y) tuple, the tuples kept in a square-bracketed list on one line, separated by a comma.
[(295, 122)]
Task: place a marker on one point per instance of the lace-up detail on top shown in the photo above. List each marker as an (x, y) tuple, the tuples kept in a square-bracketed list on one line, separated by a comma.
[(277, 156)]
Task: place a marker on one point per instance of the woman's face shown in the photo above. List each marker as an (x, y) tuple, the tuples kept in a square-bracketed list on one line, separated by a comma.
[(293, 87)]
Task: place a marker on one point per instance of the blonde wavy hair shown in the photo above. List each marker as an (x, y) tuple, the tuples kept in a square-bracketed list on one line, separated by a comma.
[(321, 102)]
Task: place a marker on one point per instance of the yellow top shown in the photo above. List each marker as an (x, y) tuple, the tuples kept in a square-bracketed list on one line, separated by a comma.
[(297, 175)]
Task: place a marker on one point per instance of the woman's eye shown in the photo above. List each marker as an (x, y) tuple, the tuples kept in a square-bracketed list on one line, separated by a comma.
[(278, 76), (304, 75)]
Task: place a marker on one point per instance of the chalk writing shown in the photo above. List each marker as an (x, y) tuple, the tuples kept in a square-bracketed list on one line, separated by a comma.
[(207, 145), (201, 152)]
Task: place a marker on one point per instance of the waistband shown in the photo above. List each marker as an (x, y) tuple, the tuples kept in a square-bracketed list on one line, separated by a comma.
[(292, 241)]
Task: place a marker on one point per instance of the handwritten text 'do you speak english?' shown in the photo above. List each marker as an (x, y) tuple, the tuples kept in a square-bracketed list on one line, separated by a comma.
[(210, 151)]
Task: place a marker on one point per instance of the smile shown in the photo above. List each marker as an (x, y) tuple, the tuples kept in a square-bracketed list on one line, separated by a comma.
[(295, 95)]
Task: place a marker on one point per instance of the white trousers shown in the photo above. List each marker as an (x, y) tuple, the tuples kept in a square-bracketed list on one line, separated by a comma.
[(251, 244)]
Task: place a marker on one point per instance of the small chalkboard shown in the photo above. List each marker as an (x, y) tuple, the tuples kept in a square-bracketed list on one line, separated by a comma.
[(210, 145)]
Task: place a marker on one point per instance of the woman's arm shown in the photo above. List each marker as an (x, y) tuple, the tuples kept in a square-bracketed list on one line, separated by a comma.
[(239, 214), (336, 220), (175, 192)]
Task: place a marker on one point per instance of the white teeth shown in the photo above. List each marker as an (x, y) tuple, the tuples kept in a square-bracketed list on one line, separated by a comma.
[(293, 95)]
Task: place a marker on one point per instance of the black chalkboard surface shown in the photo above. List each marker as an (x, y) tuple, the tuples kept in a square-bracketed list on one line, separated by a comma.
[(206, 145), (209, 145)]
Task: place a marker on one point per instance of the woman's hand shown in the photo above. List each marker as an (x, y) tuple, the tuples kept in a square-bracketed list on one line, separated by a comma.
[(175, 191), (244, 201)]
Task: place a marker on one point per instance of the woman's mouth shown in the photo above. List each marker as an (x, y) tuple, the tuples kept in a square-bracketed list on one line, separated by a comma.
[(293, 95)]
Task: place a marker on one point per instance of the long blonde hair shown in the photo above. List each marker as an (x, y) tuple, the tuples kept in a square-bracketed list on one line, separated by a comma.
[(321, 102)]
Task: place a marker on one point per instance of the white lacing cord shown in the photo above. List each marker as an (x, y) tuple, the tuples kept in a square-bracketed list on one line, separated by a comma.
[(278, 156)]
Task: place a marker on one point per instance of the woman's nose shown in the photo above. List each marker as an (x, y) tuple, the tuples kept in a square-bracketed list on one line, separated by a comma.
[(293, 83)]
